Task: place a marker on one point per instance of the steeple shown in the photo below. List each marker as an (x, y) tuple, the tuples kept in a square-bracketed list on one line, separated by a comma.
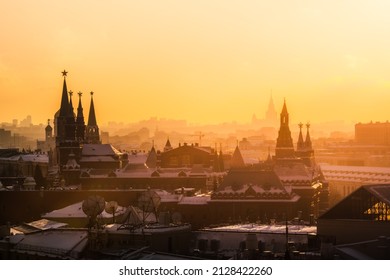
[(284, 143), (237, 160), (48, 130), (64, 109), (80, 114), (151, 161), (300, 144), (92, 116), (80, 124), (71, 110), (167, 146), (92, 131), (308, 145)]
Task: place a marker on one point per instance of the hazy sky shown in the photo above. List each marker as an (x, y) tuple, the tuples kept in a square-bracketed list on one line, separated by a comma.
[(204, 61)]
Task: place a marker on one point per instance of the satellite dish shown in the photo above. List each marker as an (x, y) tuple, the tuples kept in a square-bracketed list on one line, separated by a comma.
[(110, 208), (176, 218), (93, 205)]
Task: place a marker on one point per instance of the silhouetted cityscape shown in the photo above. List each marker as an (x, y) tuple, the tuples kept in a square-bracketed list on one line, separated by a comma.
[(164, 189)]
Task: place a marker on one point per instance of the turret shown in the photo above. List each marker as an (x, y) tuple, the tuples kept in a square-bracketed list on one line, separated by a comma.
[(92, 130)]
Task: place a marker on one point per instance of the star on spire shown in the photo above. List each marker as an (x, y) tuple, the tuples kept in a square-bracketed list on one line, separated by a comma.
[(64, 73), (80, 93), (91, 93), (70, 93)]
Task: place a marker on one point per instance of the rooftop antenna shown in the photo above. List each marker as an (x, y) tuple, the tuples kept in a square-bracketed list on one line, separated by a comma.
[(148, 202)]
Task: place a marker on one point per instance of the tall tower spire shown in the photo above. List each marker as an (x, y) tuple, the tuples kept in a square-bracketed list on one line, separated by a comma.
[(300, 144), (92, 131), (308, 140), (284, 143), (64, 109), (92, 116), (71, 110), (80, 124)]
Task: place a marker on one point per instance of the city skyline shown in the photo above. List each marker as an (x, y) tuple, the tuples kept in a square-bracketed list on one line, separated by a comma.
[(202, 62)]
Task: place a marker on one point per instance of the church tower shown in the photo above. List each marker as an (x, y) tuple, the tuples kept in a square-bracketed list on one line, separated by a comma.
[(284, 143), (80, 124), (300, 144), (65, 128), (48, 131), (92, 130)]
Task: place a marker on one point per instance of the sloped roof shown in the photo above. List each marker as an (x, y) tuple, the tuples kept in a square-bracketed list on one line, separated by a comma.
[(237, 160), (238, 177), (293, 171), (76, 211), (359, 203), (99, 150)]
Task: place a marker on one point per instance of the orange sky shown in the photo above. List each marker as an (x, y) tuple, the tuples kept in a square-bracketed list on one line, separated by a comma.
[(204, 61)]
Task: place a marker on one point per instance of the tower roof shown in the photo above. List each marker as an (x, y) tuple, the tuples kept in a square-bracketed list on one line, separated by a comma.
[(64, 109), (168, 144), (308, 140), (151, 161), (284, 109), (48, 127), (92, 116), (71, 109), (80, 113), (300, 144), (237, 160)]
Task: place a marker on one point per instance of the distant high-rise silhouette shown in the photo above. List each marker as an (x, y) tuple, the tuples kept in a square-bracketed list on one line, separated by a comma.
[(271, 115)]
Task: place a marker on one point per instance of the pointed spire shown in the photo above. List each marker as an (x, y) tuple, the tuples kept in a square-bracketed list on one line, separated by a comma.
[(284, 109), (71, 110), (64, 109), (300, 144), (167, 146), (308, 140), (80, 113), (92, 129), (151, 161), (269, 158), (92, 116), (237, 160), (221, 159), (284, 143)]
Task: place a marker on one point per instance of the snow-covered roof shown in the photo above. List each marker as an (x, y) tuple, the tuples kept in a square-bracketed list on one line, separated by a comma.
[(57, 242), (194, 200), (148, 229), (44, 224), (293, 171), (255, 228), (361, 174), (76, 211), (98, 158), (99, 150), (39, 158)]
